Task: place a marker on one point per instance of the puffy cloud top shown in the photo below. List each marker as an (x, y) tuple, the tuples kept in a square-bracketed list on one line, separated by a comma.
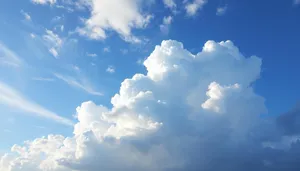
[(120, 16), (189, 111)]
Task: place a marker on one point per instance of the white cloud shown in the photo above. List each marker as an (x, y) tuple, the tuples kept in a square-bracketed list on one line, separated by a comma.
[(119, 16), (53, 42), (170, 4), (192, 8), (44, 2), (91, 54), (166, 24), (12, 98), (167, 20), (32, 35), (188, 111), (54, 52), (26, 15), (43, 79), (221, 10), (81, 84), (106, 49), (110, 69), (8, 57), (62, 27), (296, 2)]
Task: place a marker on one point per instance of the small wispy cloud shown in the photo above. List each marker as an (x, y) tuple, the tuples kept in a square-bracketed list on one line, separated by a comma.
[(91, 54), (140, 61), (8, 57), (75, 68), (124, 51), (32, 35), (165, 27), (221, 10), (12, 98), (43, 79), (78, 84), (26, 15), (296, 2), (110, 69), (106, 49)]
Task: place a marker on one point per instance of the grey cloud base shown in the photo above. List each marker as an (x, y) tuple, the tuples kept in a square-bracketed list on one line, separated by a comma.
[(189, 112)]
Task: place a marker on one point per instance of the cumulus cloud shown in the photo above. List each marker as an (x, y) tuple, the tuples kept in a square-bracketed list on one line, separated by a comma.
[(81, 84), (189, 111), (14, 99), (9, 57), (119, 16), (192, 8), (53, 42)]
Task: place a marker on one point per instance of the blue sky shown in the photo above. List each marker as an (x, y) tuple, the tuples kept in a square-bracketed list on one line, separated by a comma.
[(55, 55)]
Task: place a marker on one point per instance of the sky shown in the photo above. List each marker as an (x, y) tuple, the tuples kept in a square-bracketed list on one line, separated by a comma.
[(164, 85)]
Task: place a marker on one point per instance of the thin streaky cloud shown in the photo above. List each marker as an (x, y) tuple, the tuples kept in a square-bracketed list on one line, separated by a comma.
[(91, 54), (8, 57), (26, 15), (43, 79), (14, 99), (78, 84)]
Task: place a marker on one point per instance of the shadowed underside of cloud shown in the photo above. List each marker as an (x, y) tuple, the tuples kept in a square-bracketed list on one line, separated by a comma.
[(189, 112)]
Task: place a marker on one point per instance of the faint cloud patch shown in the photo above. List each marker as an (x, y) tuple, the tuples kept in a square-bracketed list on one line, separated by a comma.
[(26, 15), (78, 83), (110, 69), (43, 79), (221, 10), (8, 57)]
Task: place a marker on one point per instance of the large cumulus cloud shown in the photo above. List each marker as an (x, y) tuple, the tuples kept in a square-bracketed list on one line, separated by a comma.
[(189, 111)]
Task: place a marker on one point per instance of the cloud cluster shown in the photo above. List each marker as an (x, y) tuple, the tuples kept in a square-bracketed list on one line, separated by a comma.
[(189, 111), (53, 42), (44, 2), (119, 16)]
